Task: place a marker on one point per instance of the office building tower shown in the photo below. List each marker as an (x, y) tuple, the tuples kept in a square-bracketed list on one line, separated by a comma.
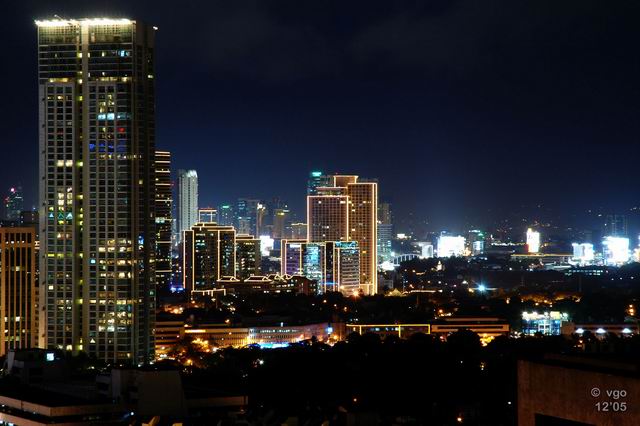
[(348, 211), (226, 215), (18, 289), (342, 267), (291, 251), (335, 266), (281, 219), (317, 180), (247, 220), (385, 233), (363, 220), (187, 200), (615, 225), (208, 254), (263, 228), (13, 204), (475, 242), (207, 215), (298, 231), (164, 219), (248, 256), (97, 186)]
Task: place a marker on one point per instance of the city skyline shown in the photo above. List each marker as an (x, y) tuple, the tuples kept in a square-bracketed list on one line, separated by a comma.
[(475, 145)]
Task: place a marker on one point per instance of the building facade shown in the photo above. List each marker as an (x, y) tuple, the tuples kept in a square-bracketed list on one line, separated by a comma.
[(164, 218), (97, 209), (187, 200), (248, 256), (208, 254), (348, 211), (13, 204), (18, 289)]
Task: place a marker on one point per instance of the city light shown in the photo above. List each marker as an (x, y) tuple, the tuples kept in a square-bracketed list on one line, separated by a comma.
[(583, 253), (533, 241), (451, 246), (615, 250)]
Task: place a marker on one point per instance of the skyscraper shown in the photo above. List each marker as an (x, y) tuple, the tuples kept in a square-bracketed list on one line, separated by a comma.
[(363, 221), (18, 313), (348, 211), (164, 218), (187, 200), (226, 215), (247, 221), (317, 180), (208, 255), (385, 233), (97, 209), (248, 256), (13, 204), (615, 225), (280, 221)]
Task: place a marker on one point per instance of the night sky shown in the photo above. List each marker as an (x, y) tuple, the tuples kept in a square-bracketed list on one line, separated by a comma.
[(463, 110)]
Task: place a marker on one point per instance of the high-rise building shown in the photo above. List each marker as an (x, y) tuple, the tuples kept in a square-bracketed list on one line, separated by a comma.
[(226, 215), (335, 266), (385, 233), (208, 254), (348, 211), (97, 190), (248, 256), (207, 215), (18, 289), (262, 227), (187, 200), (475, 242), (247, 221), (280, 220), (13, 204), (317, 180), (298, 231), (615, 225), (164, 218)]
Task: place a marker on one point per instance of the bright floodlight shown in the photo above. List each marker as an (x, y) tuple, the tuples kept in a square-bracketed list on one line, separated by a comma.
[(533, 241), (615, 250), (449, 246)]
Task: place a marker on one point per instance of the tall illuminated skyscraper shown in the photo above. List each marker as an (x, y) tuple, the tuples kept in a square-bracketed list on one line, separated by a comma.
[(164, 218), (385, 233), (97, 186), (209, 254), (13, 204), (348, 211), (187, 200)]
